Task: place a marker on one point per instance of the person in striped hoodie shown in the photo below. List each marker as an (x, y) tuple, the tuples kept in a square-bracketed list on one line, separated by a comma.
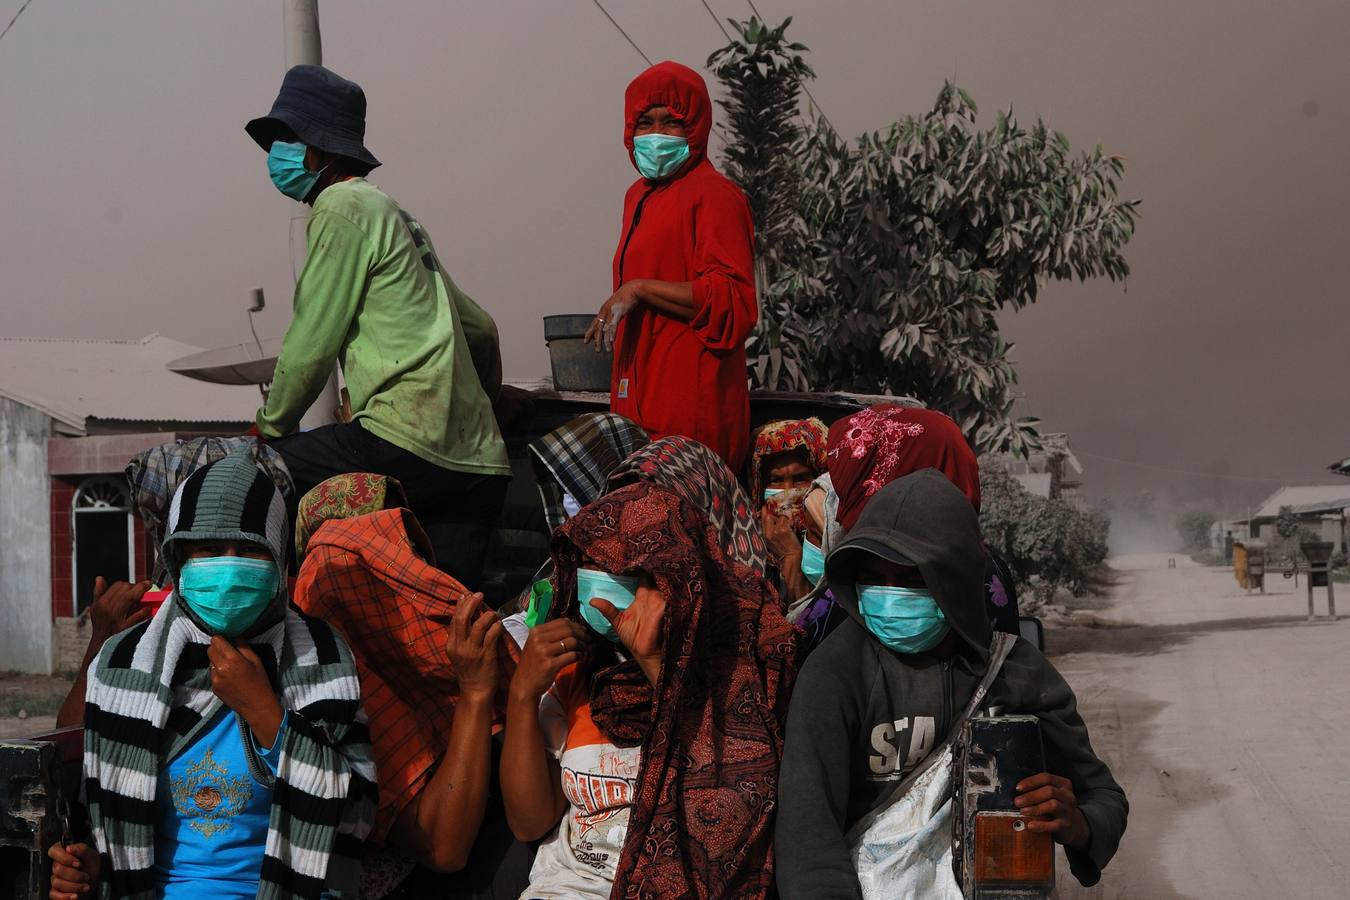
[(226, 750)]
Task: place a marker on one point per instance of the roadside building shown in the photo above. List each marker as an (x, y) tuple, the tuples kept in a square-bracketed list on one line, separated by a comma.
[(1053, 472), (72, 414), (1320, 508)]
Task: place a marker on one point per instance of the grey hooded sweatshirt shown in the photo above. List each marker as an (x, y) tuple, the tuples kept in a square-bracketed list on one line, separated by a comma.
[(863, 716)]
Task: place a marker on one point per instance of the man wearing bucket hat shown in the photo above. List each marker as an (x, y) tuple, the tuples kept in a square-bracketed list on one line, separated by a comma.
[(419, 357)]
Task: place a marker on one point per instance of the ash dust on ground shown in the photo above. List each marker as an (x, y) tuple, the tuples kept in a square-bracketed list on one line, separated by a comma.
[(1226, 717)]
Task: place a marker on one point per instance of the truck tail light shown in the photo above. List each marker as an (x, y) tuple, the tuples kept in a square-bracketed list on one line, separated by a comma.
[(1008, 854)]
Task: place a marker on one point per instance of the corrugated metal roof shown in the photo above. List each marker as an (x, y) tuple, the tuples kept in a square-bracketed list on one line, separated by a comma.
[(1307, 497), (73, 380)]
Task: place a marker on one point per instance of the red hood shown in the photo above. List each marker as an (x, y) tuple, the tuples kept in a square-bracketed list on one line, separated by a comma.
[(680, 88)]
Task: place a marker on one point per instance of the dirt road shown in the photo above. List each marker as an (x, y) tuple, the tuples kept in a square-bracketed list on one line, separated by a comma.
[(1226, 717)]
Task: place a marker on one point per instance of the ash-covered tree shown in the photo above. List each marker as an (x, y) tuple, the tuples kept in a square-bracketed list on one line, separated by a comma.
[(907, 242), (763, 74)]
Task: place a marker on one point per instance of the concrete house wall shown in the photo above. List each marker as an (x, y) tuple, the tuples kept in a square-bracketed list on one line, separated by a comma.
[(25, 540)]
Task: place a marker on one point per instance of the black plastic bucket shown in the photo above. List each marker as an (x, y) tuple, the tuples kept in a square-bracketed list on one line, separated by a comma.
[(576, 365)]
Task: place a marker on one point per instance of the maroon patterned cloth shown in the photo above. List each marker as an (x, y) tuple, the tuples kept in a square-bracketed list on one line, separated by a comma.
[(711, 729), (688, 468)]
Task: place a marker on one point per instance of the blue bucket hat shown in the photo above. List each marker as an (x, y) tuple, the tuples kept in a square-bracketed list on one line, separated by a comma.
[(322, 109)]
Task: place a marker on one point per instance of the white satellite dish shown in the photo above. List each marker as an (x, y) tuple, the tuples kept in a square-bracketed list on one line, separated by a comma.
[(251, 363)]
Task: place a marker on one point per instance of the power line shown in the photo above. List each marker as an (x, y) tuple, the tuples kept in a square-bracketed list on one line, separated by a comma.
[(716, 21), (632, 43), (15, 19)]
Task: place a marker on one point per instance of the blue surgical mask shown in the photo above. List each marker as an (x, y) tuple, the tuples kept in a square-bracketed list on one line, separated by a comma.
[(286, 165), (620, 590), (905, 619), (813, 563), (772, 492), (659, 155), (228, 593)]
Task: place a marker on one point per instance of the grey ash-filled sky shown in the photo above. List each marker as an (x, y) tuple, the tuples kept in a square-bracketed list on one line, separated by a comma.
[(133, 202)]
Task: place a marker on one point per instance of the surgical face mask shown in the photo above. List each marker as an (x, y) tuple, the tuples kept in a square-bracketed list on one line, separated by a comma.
[(570, 505), (905, 619), (772, 492), (286, 165), (228, 593), (813, 563), (620, 590), (659, 155)]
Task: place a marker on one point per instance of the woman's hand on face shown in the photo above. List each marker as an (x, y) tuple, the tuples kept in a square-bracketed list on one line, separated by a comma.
[(548, 650), (640, 627), (778, 533), (75, 870), (475, 633), (606, 322)]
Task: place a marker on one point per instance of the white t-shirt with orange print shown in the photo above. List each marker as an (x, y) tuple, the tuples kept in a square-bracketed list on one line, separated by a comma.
[(579, 859)]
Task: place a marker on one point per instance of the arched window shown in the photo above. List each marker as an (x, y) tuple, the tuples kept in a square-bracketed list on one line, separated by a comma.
[(103, 536)]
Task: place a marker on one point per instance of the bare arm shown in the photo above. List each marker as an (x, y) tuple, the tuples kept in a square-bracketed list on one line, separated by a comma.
[(116, 607), (531, 782), (441, 824), (670, 298)]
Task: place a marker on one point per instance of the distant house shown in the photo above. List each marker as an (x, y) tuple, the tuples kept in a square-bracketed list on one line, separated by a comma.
[(1052, 472), (1321, 508), (72, 414)]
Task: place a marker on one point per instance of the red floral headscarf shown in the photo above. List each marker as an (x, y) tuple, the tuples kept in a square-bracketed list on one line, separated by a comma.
[(807, 435), (877, 445), (711, 729)]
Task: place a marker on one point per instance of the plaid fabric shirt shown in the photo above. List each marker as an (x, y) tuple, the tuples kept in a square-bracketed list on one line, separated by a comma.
[(578, 457), (363, 576), (154, 476)]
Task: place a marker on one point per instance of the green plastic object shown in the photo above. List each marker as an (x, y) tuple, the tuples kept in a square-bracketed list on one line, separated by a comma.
[(541, 601)]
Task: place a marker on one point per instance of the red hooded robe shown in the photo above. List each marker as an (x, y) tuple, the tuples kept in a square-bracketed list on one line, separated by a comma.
[(673, 377)]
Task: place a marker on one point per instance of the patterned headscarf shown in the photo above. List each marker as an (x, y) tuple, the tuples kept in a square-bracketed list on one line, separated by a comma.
[(877, 445), (711, 729), (343, 497), (699, 476), (806, 435), (577, 458)]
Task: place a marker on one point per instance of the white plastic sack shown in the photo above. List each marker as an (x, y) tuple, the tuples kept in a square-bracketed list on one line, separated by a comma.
[(907, 851)]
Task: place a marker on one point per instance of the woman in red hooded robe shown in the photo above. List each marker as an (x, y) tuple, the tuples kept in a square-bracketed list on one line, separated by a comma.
[(684, 284)]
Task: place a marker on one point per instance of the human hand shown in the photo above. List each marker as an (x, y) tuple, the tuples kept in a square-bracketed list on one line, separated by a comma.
[(548, 650), (1049, 805), (778, 534), (640, 627), (606, 322), (240, 681), (75, 869), (474, 635), (116, 607)]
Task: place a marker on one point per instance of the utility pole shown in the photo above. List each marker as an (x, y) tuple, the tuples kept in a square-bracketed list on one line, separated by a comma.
[(304, 46)]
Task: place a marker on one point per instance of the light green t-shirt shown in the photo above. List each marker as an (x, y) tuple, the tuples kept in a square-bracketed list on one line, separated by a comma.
[(374, 298)]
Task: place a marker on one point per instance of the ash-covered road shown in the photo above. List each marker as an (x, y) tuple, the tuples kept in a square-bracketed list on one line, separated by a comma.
[(1226, 717)]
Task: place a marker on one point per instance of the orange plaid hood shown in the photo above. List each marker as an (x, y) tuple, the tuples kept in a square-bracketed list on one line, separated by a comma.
[(363, 576)]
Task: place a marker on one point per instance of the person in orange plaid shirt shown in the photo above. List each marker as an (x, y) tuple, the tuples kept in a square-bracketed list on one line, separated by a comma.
[(433, 662)]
